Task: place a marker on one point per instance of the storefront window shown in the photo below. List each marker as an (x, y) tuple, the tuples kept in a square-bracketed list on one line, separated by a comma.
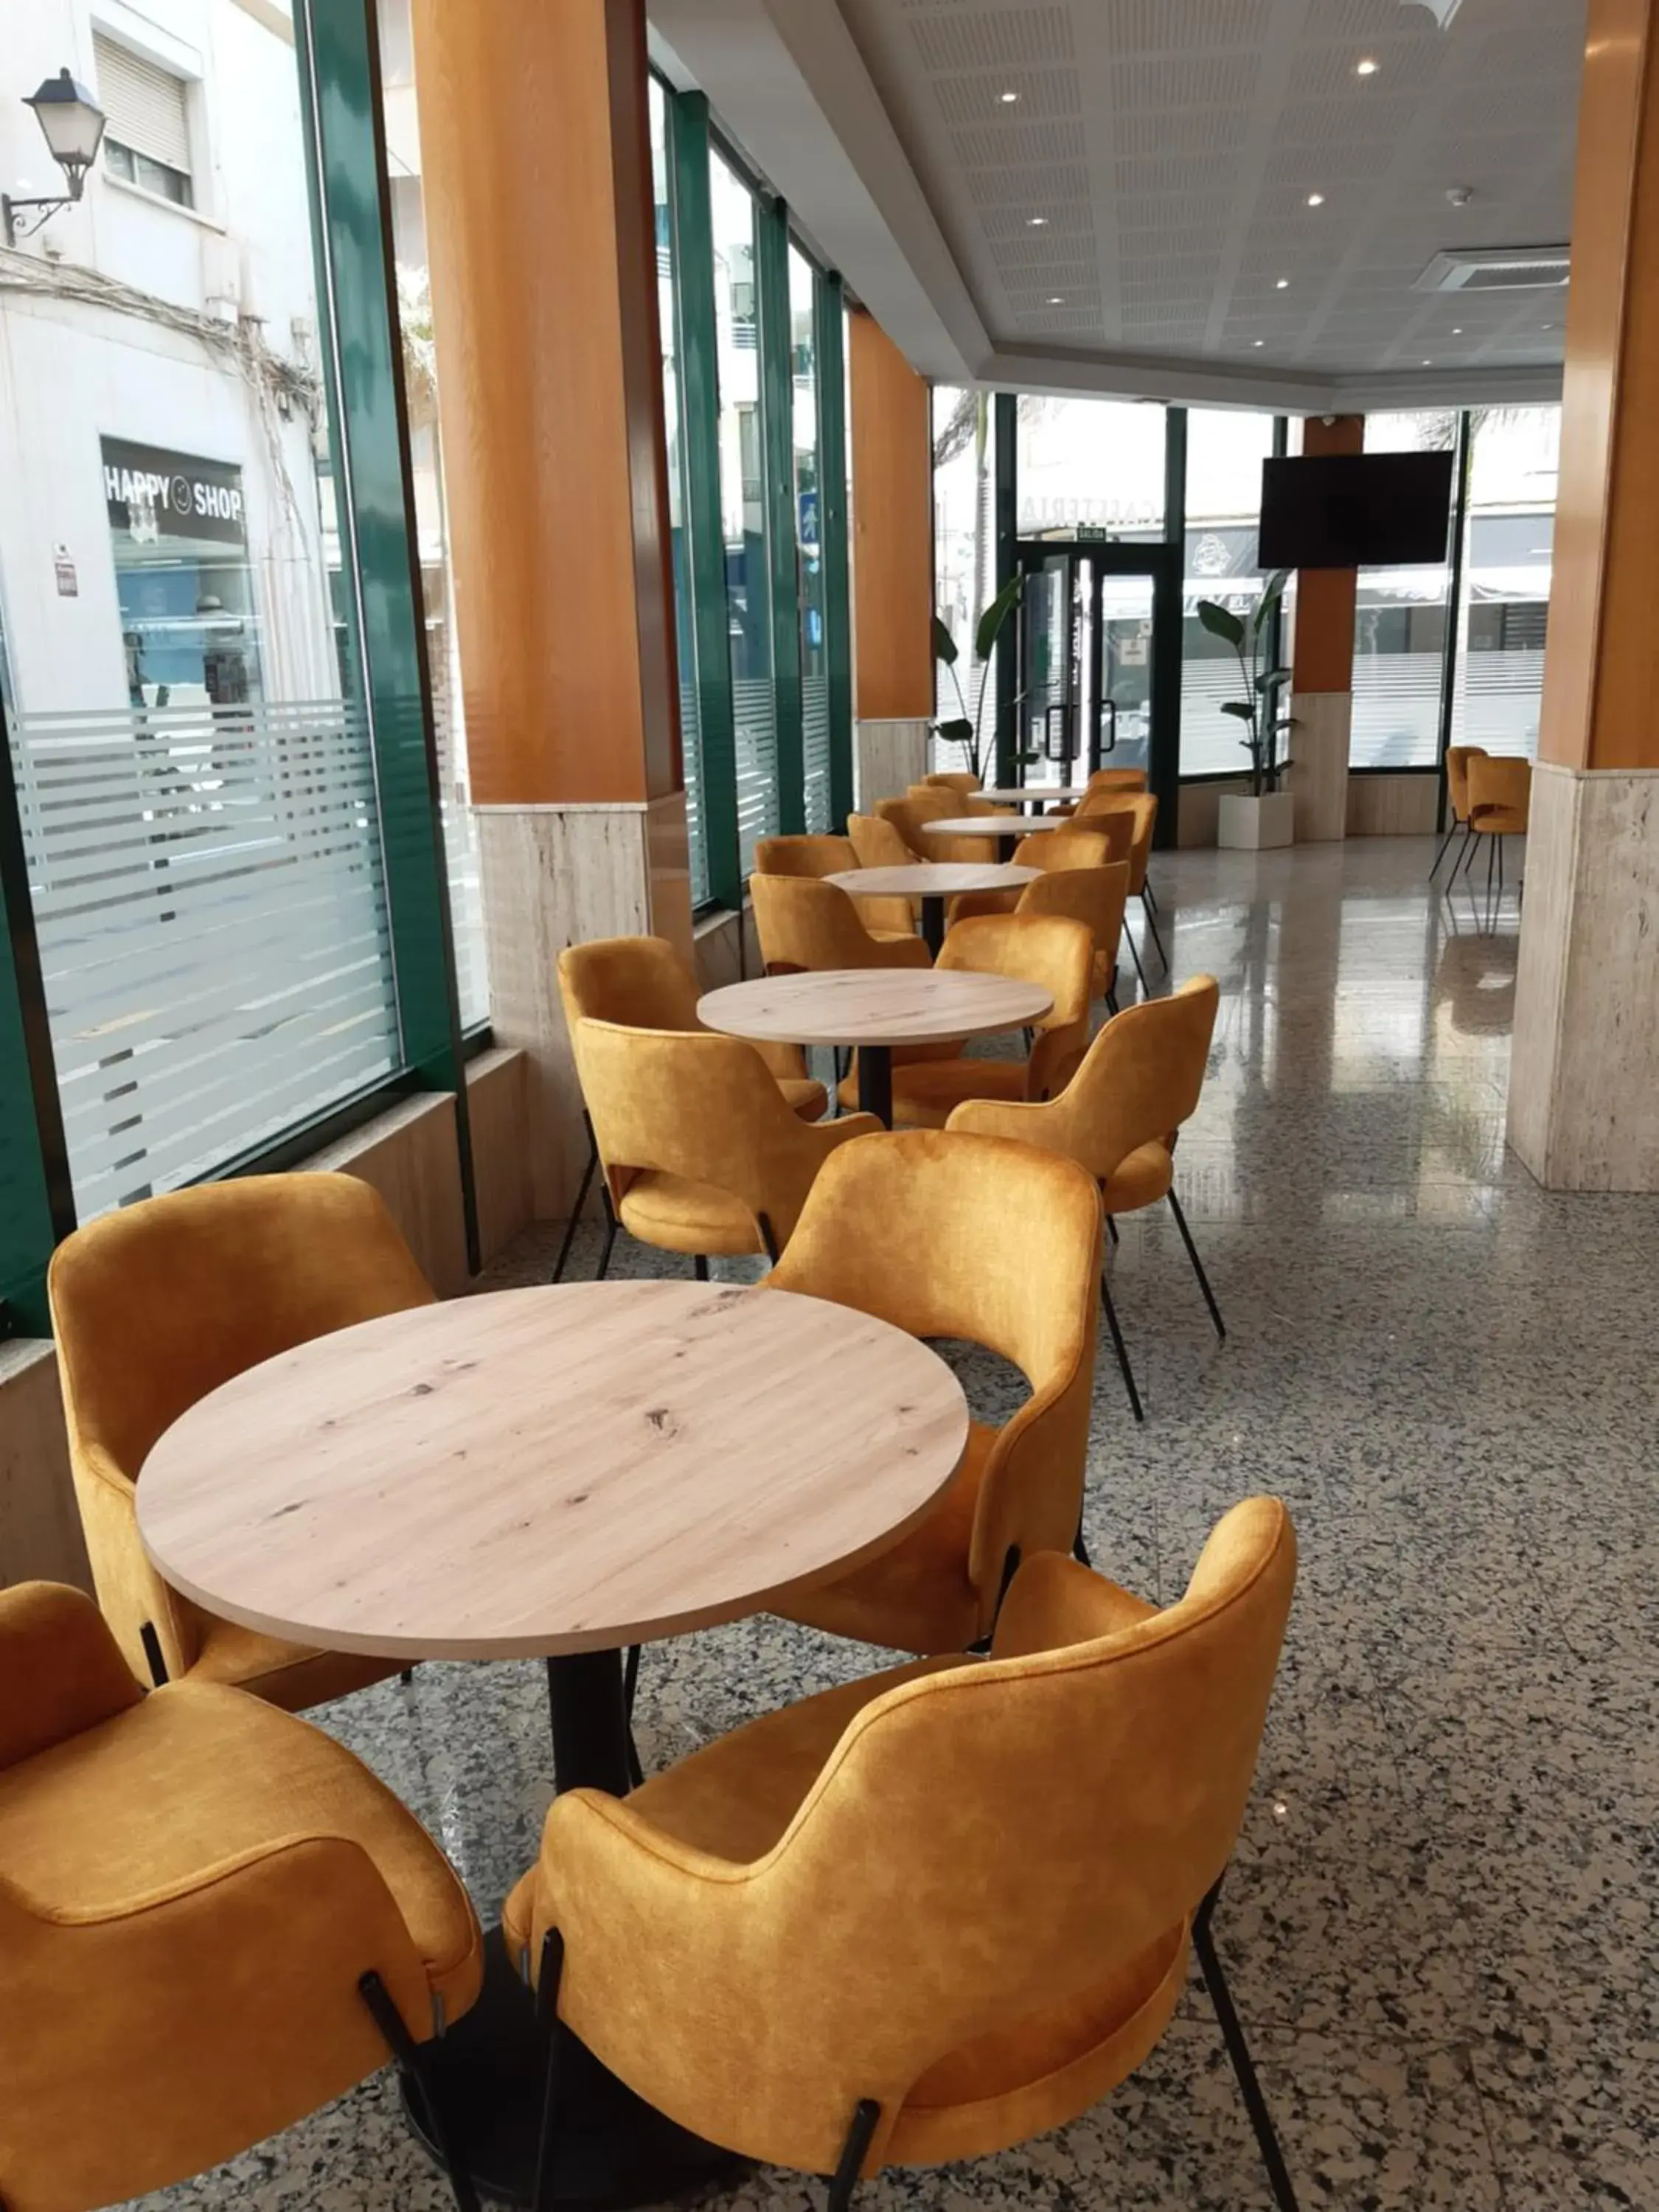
[(1507, 571), (1225, 449), (1090, 468), (965, 543), (1399, 628), (189, 618), (809, 556)]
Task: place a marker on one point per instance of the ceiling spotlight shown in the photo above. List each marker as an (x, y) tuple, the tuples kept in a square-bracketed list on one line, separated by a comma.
[(1258, 342), (1428, 364), (1460, 196), (1315, 199), (1283, 285), (1458, 333), (1056, 298), (1037, 222), (1367, 67), (1007, 98)]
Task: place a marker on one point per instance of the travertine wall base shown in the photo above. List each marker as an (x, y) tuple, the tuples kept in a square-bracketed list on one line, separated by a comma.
[(888, 757), (1392, 806), (1585, 1072), (1319, 763), (554, 876)]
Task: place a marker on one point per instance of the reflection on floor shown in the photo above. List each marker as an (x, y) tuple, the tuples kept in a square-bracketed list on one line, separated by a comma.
[(1437, 1928)]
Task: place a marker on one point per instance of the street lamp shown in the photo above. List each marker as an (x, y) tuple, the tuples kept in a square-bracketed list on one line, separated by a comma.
[(72, 124)]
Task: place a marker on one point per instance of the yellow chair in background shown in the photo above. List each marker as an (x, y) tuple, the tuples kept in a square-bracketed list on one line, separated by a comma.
[(700, 1155), (969, 798), (962, 780), (908, 815), (974, 1239), (157, 1304), (927, 1916), (877, 843), (820, 856), (643, 983), (1457, 792), (1054, 952), (1119, 1117), (1141, 807), (213, 1919), (1500, 803), (1049, 850), (803, 923), (1094, 895)]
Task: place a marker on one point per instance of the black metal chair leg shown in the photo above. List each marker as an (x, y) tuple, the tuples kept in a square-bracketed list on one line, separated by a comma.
[(1111, 1229), (1239, 2052), (1117, 1347), (1444, 842), (581, 1200), (1080, 1547), (1149, 894), (630, 1687), (1153, 926), (610, 1236), (844, 2179), (1470, 847), (406, 2052), (1492, 846), (407, 1676), (1135, 954), (1111, 1000), (700, 1266), (1499, 843), (1198, 1266), (547, 2018)]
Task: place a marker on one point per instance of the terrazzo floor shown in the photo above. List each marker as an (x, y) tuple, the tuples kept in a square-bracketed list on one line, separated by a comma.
[(1439, 1923)]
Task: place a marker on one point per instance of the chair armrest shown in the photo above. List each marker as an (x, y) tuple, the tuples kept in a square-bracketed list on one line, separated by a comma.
[(1043, 1121), (63, 1669), (1054, 1602)]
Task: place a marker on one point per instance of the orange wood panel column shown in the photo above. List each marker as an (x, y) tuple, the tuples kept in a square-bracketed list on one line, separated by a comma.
[(892, 505), (1321, 690), (534, 138), (1586, 1061)]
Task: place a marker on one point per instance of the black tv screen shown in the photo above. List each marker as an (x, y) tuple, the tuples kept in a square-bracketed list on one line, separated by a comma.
[(1355, 510)]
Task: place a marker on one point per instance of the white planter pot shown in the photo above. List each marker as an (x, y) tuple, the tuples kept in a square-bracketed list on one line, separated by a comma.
[(1251, 825)]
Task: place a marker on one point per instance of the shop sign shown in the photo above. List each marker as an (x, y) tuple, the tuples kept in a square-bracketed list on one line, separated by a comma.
[(153, 493)]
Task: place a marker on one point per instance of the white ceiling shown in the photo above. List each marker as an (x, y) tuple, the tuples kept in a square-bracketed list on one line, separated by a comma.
[(1169, 147)]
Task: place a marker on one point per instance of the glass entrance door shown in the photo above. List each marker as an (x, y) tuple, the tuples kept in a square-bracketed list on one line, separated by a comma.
[(1093, 683)]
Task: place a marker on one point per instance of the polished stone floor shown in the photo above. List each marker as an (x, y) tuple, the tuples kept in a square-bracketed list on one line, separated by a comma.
[(1439, 1924)]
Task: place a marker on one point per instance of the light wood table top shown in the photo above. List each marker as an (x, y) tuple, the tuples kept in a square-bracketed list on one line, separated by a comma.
[(996, 825), (935, 879), (543, 1472), (1016, 793), (872, 1007)]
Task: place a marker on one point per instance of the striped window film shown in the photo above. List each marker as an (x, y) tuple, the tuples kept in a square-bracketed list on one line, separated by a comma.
[(211, 909), (144, 105)]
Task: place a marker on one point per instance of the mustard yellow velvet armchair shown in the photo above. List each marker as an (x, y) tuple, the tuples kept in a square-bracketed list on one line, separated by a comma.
[(1500, 806), (1093, 895), (816, 856), (1141, 808), (998, 1244), (1051, 851), (908, 814), (1119, 1117), (803, 923), (1457, 792), (961, 780), (155, 1306), (968, 797), (1051, 951), (642, 982), (927, 1916), (213, 1919), (700, 1155)]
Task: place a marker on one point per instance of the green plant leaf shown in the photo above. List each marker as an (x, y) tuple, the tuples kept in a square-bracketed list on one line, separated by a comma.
[(1272, 592), (1221, 622), (945, 645), (996, 614), (1274, 679), (957, 732), (1241, 708)]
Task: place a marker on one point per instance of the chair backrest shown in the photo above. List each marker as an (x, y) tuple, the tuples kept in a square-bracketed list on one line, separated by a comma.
[(1502, 781), (641, 981), (1118, 779), (803, 923), (1076, 849), (1458, 778), (1054, 951), (804, 856), (908, 815), (1040, 1820), (696, 1104), (878, 842), (960, 780), (1094, 895), (155, 1306)]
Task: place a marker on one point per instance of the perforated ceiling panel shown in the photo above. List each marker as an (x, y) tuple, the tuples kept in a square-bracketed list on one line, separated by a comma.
[(1135, 175)]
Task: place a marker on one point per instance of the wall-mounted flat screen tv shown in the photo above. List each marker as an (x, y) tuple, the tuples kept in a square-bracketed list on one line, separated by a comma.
[(1355, 510)]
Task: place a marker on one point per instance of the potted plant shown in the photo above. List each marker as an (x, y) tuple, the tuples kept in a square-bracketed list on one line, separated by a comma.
[(964, 729), (1267, 816)]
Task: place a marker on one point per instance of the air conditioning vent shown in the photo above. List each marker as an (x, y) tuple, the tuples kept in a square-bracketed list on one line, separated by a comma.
[(1497, 269)]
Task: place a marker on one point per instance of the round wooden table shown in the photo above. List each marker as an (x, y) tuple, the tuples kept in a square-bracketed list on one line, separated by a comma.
[(875, 1009), (553, 1472), (1036, 794), (932, 882), (990, 825)]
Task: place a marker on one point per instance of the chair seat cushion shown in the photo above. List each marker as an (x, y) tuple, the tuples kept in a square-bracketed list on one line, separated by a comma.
[(810, 1100), (1141, 1180), (196, 1775), (286, 1674), (916, 1597), (679, 1215), (1498, 821)]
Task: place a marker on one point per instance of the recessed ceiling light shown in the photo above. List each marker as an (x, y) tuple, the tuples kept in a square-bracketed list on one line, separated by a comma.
[(1037, 222), (1366, 67), (1283, 285), (1428, 364), (1315, 199), (1259, 342), (1458, 333), (1007, 98), (1056, 298)]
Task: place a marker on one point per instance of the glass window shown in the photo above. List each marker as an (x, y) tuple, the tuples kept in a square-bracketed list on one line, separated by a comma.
[(1399, 628), (1090, 468), (1225, 448), (743, 508), (809, 556), (147, 121), (420, 364), (964, 545), (1507, 570), (685, 645), (191, 750)]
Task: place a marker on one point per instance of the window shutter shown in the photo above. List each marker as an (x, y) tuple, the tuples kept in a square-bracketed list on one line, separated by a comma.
[(143, 104)]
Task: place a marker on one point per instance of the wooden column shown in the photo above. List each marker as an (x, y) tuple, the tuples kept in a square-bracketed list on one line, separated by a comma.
[(1586, 1064), (1322, 692), (541, 235), (892, 552)]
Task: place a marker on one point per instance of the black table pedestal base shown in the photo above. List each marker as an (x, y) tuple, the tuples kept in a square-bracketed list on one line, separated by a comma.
[(876, 1082), (612, 2150), (933, 923)]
